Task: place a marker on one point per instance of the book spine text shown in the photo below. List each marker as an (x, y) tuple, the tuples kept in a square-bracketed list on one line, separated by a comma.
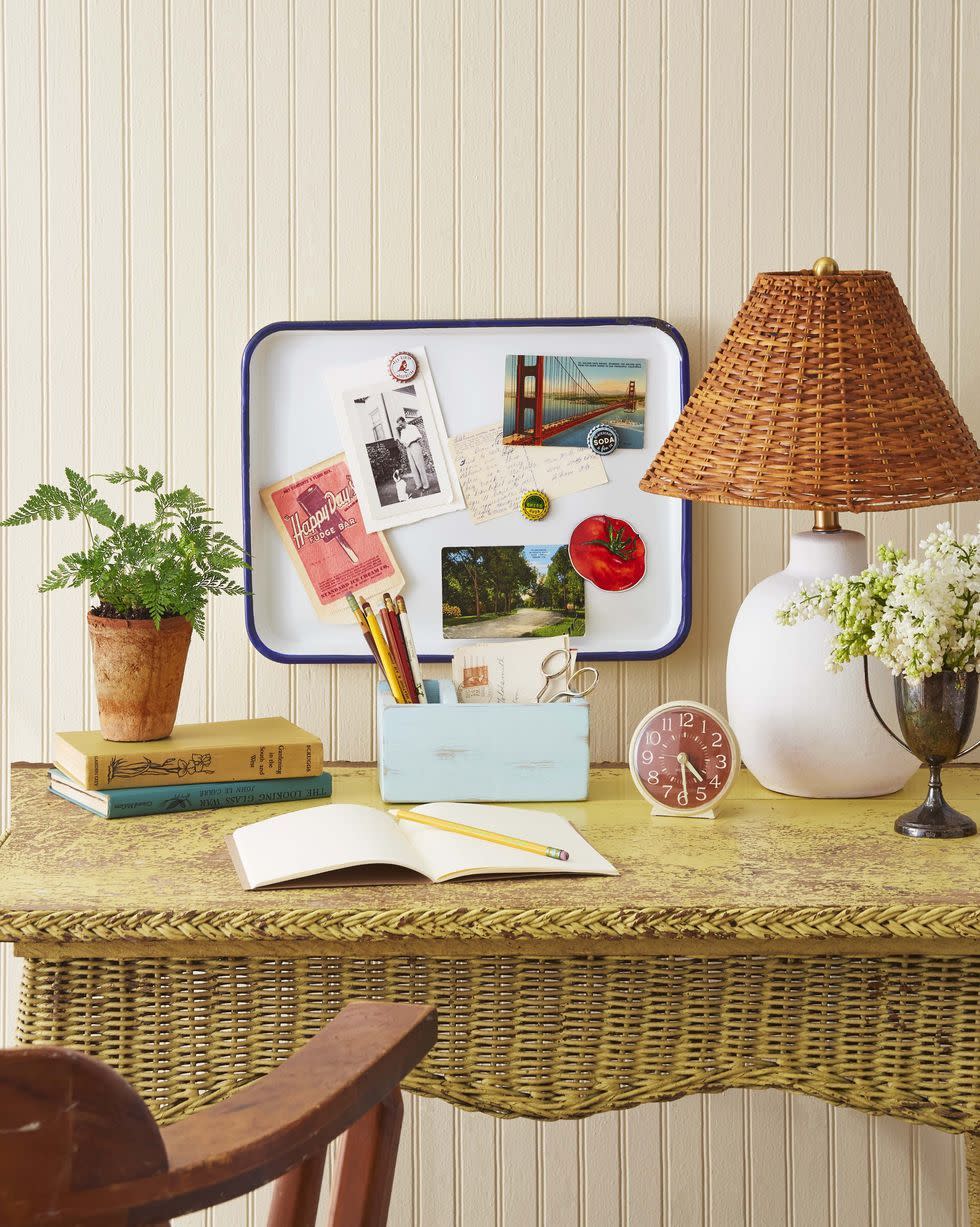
[(212, 765), (133, 802)]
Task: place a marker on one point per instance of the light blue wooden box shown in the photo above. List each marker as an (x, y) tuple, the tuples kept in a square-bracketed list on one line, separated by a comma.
[(444, 750)]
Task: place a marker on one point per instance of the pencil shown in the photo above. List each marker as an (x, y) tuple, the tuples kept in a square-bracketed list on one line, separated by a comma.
[(364, 628), (400, 650), (413, 656), (491, 837), (384, 656), (391, 634)]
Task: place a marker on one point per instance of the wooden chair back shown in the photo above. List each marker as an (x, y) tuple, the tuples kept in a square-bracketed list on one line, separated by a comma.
[(78, 1145)]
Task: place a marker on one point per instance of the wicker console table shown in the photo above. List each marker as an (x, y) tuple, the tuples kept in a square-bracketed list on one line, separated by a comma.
[(793, 944)]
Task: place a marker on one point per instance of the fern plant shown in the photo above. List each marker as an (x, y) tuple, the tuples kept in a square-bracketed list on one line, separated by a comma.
[(164, 567)]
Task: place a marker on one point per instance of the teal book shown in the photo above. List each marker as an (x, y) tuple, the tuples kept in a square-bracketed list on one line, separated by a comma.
[(176, 798)]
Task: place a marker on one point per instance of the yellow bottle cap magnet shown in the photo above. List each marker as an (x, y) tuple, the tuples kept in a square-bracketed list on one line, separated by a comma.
[(403, 366), (535, 505)]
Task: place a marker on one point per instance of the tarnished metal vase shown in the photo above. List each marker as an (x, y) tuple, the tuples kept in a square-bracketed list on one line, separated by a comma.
[(936, 716)]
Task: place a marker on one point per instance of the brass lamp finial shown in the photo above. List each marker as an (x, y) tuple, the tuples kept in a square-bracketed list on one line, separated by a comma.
[(826, 266)]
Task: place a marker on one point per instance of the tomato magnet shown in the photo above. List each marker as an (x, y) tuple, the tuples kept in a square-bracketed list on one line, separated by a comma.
[(608, 552)]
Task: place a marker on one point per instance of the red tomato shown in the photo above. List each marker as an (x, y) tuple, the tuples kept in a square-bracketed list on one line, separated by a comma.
[(608, 552)]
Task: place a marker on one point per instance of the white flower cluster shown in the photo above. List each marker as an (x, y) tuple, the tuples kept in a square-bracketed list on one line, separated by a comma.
[(918, 616)]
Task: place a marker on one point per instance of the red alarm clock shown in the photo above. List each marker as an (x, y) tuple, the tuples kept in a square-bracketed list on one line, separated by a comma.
[(684, 758)]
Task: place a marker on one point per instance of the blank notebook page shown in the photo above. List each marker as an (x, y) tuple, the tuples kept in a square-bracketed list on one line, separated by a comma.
[(445, 852), (310, 841)]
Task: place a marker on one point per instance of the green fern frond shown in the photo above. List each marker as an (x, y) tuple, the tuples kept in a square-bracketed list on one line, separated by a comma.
[(145, 481), (82, 490), (168, 565), (46, 503), (69, 573)]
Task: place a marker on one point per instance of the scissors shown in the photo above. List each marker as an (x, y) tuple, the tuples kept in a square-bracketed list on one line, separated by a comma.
[(555, 664)]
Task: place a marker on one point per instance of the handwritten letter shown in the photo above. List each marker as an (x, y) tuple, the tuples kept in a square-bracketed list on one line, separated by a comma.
[(494, 477)]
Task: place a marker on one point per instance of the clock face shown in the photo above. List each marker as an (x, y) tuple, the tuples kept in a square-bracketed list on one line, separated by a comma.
[(683, 757)]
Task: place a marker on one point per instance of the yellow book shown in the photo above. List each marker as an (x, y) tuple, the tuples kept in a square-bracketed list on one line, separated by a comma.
[(265, 749)]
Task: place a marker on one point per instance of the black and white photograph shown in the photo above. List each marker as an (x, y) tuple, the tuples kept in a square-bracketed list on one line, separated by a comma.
[(398, 450), (396, 444)]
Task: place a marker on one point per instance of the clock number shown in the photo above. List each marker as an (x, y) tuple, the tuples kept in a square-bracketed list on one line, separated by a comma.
[(687, 720), (653, 739), (653, 778), (715, 782), (647, 757), (715, 740), (702, 794), (722, 761), (667, 724), (667, 788)]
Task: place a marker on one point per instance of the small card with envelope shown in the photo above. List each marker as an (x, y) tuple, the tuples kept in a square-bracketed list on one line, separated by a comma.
[(498, 672)]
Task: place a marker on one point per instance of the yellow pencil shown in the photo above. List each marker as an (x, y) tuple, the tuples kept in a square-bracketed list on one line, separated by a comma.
[(387, 664), (491, 837)]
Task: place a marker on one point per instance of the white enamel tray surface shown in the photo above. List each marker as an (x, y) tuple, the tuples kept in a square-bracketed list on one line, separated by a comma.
[(288, 424)]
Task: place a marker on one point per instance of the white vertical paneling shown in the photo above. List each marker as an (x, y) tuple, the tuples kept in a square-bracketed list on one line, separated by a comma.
[(810, 1148), (891, 182), (641, 256), (852, 1178), (724, 280), (477, 231), (63, 329), (187, 252), (25, 727), (176, 175), (148, 235), (724, 1154), (600, 190), (934, 35), (683, 199), (562, 1174), (311, 177), (643, 1176), (231, 320), (271, 226), (777, 108), (767, 1159)]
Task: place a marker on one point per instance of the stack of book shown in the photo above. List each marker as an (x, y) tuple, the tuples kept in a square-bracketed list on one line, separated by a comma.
[(199, 766)]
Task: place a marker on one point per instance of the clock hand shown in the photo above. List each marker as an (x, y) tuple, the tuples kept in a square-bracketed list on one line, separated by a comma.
[(686, 762), (683, 790)]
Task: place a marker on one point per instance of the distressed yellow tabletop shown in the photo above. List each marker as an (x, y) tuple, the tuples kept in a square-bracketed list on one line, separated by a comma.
[(787, 943), (768, 868)]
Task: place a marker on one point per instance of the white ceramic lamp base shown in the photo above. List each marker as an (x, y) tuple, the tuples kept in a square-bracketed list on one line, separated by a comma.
[(804, 730)]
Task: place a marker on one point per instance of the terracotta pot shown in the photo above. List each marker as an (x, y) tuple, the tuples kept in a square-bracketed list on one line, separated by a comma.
[(138, 675)]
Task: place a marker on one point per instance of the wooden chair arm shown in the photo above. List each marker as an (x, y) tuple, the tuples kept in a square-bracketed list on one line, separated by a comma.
[(268, 1127)]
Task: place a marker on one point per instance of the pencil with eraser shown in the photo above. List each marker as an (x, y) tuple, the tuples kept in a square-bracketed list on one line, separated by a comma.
[(384, 656), (413, 656)]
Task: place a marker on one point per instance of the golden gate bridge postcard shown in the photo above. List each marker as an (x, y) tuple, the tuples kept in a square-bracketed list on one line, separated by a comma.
[(555, 400)]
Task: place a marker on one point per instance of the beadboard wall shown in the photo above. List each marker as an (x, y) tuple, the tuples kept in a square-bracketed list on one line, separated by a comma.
[(179, 172)]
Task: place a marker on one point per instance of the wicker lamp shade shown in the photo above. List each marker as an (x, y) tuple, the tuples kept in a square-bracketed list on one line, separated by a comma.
[(822, 395)]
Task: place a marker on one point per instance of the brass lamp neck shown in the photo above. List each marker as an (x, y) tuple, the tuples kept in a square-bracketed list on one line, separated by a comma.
[(825, 520)]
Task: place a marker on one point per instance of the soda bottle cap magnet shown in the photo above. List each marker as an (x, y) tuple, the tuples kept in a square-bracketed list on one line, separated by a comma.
[(403, 366), (535, 505), (602, 439)]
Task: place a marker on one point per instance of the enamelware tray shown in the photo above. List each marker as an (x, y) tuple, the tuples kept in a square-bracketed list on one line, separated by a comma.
[(288, 424)]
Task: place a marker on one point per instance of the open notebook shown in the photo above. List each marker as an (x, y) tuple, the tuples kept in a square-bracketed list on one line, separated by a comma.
[(356, 845)]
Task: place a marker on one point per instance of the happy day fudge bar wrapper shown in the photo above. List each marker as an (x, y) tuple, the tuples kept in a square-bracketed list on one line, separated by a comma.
[(318, 518)]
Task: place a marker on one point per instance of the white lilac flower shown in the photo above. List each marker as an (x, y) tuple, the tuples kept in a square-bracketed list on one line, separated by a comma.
[(918, 616)]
